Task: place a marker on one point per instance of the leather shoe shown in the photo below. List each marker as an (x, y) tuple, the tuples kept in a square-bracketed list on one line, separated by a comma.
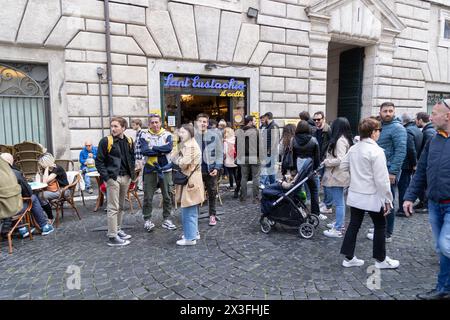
[(434, 295)]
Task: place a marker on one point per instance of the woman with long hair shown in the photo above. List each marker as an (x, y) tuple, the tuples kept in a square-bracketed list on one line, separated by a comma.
[(335, 179), (286, 145), (188, 158)]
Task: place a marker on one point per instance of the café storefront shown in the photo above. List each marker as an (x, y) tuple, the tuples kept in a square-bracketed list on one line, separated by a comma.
[(184, 96)]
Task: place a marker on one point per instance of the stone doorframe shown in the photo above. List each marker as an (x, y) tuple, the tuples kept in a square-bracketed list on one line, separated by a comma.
[(377, 38)]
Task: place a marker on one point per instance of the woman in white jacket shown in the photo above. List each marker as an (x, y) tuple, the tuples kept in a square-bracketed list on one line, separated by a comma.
[(336, 179), (369, 192)]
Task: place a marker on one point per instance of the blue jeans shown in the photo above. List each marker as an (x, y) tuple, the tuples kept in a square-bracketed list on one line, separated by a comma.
[(36, 211), (189, 217), (87, 179), (267, 179), (403, 183), (439, 217), (337, 197), (390, 218)]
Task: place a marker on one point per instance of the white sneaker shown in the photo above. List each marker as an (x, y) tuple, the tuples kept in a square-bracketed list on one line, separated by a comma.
[(323, 217), (331, 225), (332, 233), (184, 242), (196, 238), (168, 224), (326, 210), (355, 262), (148, 225), (388, 263)]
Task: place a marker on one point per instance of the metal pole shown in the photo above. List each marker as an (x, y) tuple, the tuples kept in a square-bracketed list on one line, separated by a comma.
[(108, 59), (100, 72)]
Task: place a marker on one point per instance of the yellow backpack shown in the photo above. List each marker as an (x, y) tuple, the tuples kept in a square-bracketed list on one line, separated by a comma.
[(111, 141)]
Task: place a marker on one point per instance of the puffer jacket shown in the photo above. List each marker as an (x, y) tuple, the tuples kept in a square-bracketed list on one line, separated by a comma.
[(393, 141), (428, 132), (334, 176), (413, 145), (433, 171), (306, 146)]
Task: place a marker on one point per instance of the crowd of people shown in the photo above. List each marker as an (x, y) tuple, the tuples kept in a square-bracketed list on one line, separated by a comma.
[(405, 158)]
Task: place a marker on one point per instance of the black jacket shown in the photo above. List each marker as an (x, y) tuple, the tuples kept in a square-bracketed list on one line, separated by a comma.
[(306, 146), (413, 145), (428, 132), (26, 189), (272, 129), (247, 145), (325, 140), (108, 164)]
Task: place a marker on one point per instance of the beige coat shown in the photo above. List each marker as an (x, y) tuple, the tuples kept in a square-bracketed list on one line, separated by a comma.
[(334, 176), (189, 158)]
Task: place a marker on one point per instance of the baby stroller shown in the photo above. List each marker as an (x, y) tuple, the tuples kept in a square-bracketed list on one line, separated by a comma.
[(286, 206)]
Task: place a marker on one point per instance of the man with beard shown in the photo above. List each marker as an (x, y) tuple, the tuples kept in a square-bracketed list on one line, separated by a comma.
[(393, 141)]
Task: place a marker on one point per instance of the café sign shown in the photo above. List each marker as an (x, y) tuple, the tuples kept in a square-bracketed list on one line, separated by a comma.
[(196, 82)]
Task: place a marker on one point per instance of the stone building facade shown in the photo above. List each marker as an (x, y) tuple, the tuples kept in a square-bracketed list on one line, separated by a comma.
[(290, 56)]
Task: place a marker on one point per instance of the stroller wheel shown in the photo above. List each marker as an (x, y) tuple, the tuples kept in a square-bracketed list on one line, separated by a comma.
[(314, 220), (306, 230), (265, 225)]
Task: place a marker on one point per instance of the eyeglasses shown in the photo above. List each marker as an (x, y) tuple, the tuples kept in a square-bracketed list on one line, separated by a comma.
[(89, 145), (445, 103), (317, 120), (379, 129)]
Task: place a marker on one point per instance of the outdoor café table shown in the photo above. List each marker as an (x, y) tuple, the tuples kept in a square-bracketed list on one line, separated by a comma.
[(37, 186), (100, 197)]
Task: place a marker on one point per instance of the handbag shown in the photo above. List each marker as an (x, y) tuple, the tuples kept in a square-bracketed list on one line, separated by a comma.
[(179, 177)]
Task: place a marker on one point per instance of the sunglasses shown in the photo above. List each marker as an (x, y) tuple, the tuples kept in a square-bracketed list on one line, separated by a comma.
[(379, 129), (317, 120), (445, 103)]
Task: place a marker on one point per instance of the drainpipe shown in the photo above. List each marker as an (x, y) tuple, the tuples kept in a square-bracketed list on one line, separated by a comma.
[(108, 59), (100, 73)]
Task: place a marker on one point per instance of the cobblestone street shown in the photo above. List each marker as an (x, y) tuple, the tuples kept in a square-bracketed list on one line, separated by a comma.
[(233, 260)]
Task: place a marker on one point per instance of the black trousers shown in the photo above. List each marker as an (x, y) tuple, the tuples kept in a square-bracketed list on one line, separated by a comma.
[(379, 238), (232, 176), (211, 187)]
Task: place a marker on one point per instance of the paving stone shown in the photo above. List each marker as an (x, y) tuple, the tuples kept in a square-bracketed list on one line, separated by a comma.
[(234, 260)]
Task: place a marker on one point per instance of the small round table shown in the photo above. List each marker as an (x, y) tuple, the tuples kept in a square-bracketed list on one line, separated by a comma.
[(37, 186), (101, 197)]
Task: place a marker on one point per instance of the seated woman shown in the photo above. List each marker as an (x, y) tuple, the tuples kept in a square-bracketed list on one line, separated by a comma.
[(36, 210), (54, 176)]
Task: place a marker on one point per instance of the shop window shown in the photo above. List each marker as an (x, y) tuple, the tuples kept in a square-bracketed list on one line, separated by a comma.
[(185, 96)]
